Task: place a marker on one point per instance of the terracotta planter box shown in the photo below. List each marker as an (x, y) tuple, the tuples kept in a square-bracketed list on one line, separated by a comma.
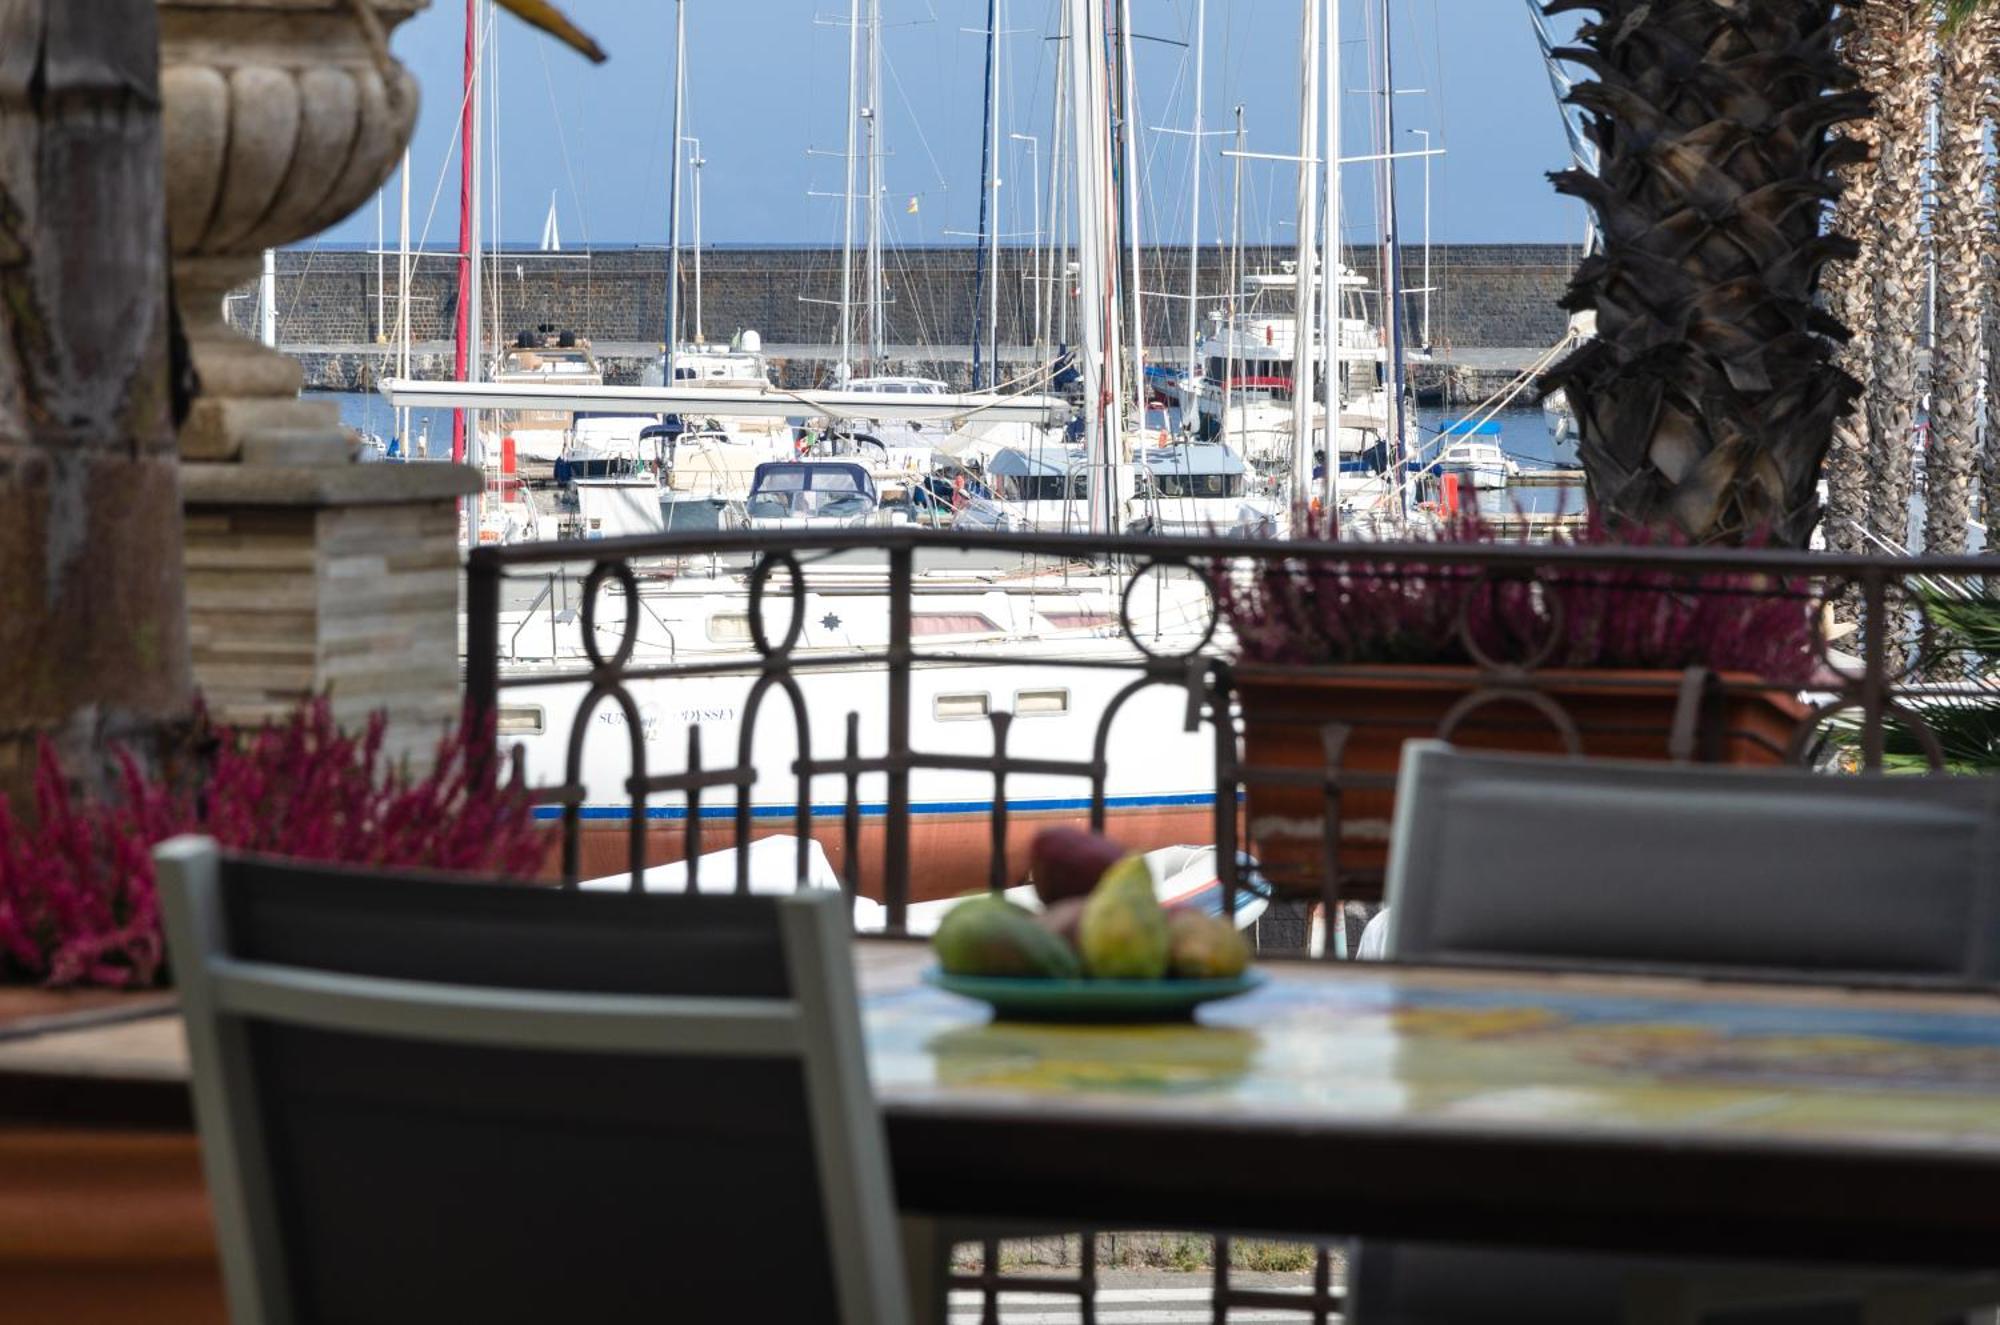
[(1615, 714), (104, 1217)]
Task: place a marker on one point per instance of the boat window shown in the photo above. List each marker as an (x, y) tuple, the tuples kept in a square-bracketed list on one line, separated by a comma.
[(1043, 487), (782, 480), (1041, 703), (729, 627), (525, 720), (1198, 485), (961, 708), (831, 480)]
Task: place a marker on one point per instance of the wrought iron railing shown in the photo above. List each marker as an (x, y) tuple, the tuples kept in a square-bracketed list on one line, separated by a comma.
[(1876, 660)]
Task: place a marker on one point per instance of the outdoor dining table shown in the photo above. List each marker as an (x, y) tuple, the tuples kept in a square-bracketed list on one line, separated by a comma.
[(1622, 1112)]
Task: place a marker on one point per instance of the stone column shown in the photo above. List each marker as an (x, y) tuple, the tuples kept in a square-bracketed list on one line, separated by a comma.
[(306, 571), (93, 643)]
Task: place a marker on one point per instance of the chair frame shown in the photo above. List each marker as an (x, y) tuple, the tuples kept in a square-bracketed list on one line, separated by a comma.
[(819, 1025)]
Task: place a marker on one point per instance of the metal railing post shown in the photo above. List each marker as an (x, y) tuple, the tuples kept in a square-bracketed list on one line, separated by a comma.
[(482, 634), (896, 846)]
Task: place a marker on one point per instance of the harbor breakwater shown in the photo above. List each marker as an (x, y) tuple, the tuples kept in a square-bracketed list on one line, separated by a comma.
[(1494, 305)]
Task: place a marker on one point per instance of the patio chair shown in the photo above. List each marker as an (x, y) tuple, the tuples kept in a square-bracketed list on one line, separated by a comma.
[(1595, 864), (423, 1100), (1533, 859)]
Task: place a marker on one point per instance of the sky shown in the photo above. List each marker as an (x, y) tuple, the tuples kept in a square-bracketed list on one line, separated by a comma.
[(767, 99)]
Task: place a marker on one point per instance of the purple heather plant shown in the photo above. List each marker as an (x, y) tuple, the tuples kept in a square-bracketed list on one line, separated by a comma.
[(1358, 609), (78, 905)]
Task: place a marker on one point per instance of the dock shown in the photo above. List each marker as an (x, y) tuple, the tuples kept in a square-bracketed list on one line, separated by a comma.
[(1545, 478)]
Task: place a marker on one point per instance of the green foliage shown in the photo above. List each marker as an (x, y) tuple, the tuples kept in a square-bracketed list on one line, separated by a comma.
[(1962, 653)]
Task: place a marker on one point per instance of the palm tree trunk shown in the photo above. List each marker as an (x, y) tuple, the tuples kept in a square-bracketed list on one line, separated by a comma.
[(1959, 226), (1909, 34), (1707, 400), (1850, 288), (93, 622)]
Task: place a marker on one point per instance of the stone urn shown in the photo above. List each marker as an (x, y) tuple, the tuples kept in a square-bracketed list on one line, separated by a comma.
[(281, 118), (307, 573)]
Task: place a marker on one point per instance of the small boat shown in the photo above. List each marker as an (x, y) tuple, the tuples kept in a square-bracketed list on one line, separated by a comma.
[(813, 494), (1472, 450)]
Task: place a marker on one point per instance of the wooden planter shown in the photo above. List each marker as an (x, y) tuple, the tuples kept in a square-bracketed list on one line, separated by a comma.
[(1613, 714)]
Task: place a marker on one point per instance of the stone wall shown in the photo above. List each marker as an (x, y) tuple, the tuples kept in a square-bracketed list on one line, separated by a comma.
[(1489, 295)]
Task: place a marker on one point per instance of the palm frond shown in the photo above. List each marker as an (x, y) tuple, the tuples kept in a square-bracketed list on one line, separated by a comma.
[(543, 15)]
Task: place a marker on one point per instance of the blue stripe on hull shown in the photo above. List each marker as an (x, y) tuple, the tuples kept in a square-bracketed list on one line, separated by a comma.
[(1046, 805)]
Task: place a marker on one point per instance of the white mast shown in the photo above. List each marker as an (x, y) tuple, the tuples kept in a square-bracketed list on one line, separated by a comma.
[(1307, 282), (1235, 277), (1392, 261), (403, 308), (673, 328), (1194, 193), (874, 114), (475, 357), (1129, 96), (267, 300), (695, 162), (1332, 373), (1096, 254), (1058, 192), (847, 194), (381, 271)]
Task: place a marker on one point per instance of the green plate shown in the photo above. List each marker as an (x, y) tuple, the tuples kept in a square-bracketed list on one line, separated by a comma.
[(1015, 999)]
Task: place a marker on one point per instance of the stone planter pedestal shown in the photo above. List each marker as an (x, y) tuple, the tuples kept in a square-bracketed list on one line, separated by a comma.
[(342, 578)]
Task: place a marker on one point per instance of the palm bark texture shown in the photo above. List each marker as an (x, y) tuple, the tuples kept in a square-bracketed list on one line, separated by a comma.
[(1959, 227), (1707, 402)]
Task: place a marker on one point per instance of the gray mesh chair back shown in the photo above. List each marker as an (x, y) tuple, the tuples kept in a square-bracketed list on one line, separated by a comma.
[(426, 1100), (1544, 860)]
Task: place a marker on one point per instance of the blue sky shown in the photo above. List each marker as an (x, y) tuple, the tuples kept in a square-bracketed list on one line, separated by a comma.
[(767, 91)]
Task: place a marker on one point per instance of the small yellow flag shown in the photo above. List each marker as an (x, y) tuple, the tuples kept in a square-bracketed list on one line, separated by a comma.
[(912, 208)]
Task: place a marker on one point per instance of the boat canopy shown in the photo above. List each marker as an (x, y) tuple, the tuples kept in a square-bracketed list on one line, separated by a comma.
[(1053, 462), (1470, 428), (1192, 458)]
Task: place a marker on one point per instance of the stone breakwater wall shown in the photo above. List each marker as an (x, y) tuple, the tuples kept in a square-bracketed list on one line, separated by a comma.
[(331, 304)]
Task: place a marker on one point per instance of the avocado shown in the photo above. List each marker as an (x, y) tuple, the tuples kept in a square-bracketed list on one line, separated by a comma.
[(988, 935)]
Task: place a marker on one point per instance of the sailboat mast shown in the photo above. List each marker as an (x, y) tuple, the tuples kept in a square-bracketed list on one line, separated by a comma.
[(996, 14), (673, 329), (1128, 125), (984, 268), (1096, 253), (874, 185), (1059, 289), (1392, 260), (462, 319), (1235, 277), (1332, 373), (476, 310), (403, 307), (1056, 288), (847, 193), (1194, 192), (1307, 279), (695, 162)]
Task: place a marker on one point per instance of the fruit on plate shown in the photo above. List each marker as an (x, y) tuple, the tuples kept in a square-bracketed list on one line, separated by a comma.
[(1123, 933), (1063, 918), (1068, 862), (989, 935), (1204, 947)]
